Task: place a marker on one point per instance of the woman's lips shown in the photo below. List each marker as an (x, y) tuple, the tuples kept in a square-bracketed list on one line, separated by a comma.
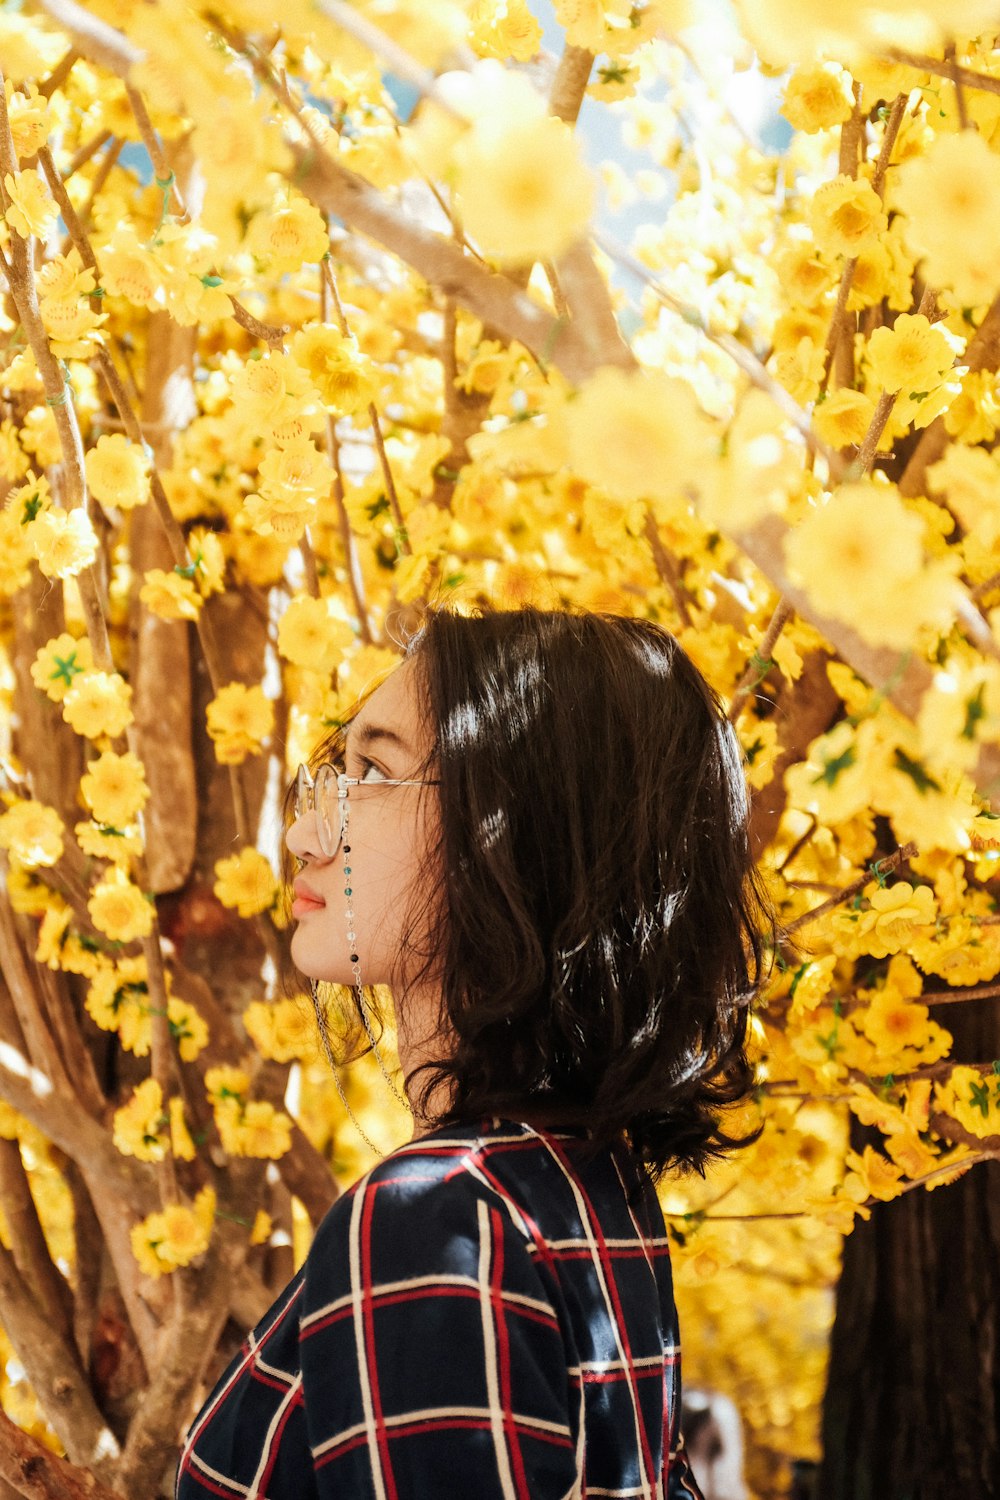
[(306, 899)]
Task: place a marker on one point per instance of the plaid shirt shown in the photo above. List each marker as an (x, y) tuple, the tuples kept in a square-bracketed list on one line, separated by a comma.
[(478, 1318)]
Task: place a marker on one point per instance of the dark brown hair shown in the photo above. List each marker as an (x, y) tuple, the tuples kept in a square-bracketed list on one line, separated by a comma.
[(599, 928)]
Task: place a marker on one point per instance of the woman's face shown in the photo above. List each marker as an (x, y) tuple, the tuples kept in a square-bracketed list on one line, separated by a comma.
[(390, 833)]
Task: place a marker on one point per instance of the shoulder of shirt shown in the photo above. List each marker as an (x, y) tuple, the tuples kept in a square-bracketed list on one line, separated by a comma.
[(447, 1169)]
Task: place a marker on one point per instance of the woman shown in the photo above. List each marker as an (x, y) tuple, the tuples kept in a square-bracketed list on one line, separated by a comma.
[(535, 832)]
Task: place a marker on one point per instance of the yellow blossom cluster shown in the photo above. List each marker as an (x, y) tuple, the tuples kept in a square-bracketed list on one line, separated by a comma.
[(247, 1127), (174, 1236), (371, 360)]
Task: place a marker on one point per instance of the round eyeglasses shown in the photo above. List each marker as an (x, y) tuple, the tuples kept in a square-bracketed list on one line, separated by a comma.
[(326, 795)]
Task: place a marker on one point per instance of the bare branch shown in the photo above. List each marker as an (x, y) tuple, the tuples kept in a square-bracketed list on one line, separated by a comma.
[(760, 663), (880, 867), (570, 83), (93, 38), (36, 1473)]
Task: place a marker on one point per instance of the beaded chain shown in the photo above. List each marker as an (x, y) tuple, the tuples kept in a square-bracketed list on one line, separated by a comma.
[(356, 961), (360, 997)]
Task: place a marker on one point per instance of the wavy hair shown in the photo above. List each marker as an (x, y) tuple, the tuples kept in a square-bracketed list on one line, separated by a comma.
[(603, 926), (599, 930)]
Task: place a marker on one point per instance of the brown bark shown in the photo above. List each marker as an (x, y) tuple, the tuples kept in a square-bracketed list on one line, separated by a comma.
[(161, 651), (912, 1407), (28, 1248), (29, 1469), (803, 710), (56, 1376)]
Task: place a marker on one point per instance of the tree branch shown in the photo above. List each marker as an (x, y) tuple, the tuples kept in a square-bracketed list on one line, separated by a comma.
[(53, 1369), (881, 867), (36, 1473)]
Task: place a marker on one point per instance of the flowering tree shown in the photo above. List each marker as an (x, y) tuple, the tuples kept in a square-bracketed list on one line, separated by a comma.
[(282, 363)]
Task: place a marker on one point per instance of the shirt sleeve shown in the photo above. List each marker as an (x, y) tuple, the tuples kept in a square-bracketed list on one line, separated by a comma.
[(433, 1361)]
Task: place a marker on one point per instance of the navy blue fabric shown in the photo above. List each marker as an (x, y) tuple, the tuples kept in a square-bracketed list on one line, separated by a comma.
[(482, 1316)]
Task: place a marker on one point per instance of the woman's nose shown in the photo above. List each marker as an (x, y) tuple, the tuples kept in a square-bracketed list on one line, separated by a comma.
[(302, 838)]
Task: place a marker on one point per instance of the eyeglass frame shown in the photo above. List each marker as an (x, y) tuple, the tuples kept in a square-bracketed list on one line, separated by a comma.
[(305, 797)]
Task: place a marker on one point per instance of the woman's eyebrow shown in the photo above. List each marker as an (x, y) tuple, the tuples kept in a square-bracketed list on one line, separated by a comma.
[(366, 734)]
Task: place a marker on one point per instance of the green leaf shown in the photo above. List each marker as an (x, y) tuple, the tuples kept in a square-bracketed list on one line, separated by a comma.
[(979, 1098), (921, 778), (832, 768), (67, 668), (975, 709)]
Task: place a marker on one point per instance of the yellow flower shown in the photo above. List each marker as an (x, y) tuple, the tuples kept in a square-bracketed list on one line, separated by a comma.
[(181, 1144), (285, 238), (31, 118), (296, 470), (912, 1154), (878, 1177), (170, 595), (894, 1022), (283, 516), (139, 1126), (114, 988), (118, 472), (204, 1205), (257, 1130), (587, 22), (282, 1030), (760, 746), (27, 500), (13, 460), (344, 378), (71, 324), (104, 842), (187, 1027), (245, 881), (505, 29), (31, 210), (970, 479), (262, 1227), (98, 703), (972, 1098), (310, 635), (129, 270), (63, 541), (873, 278), (270, 388), (833, 781), (208, 560), (817, 97), (894, 912), (114, 788), (226, 1082), (33, 833), (239, 719), (522, 189), (638, 435), (119, 909), (847, 216), (801, 369), (860, 556), (974, 415), (949, 197), (843, 419), (293, 478), (173, 1237), (184, 1235), (53, 934), (913, 354)]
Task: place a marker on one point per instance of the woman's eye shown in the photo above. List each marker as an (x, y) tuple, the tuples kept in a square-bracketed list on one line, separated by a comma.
[(367, 767)]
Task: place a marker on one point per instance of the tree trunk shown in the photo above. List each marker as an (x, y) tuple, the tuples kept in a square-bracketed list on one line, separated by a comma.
[(912, 1406)]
